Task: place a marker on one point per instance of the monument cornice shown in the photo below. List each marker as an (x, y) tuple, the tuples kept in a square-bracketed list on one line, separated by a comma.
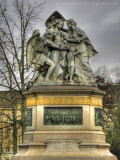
[(65, 90), (64, 95)]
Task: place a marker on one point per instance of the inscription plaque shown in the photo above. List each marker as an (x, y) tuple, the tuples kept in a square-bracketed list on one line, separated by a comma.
[(29, 117), (98, 117), (63, 116)]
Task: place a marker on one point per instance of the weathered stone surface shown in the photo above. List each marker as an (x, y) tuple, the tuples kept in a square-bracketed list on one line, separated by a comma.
[(65, 150)]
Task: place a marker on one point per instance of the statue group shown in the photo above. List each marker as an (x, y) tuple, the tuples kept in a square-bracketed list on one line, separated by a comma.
[(61, 56)]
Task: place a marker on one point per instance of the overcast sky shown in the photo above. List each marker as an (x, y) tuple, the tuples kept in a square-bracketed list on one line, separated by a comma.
[(100, 19)]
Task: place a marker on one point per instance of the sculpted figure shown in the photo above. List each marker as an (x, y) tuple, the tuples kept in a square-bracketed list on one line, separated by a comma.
[(58, 55), (71, 62), (37, 53), (84, 51)]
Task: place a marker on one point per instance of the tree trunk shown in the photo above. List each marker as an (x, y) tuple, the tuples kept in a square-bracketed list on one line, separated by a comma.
[(23, 118), (15, 137)]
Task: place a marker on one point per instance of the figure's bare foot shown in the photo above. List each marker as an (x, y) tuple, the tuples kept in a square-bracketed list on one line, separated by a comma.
[(90, 82), (47, 80), (70, 81)]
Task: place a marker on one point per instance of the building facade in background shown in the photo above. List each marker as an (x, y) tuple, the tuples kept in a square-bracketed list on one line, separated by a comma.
[(6, 127)]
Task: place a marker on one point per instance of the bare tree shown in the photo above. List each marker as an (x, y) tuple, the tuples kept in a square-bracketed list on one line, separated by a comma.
[(103, 72), (111, 74), (14, 27), (111, 107), (115, 74)]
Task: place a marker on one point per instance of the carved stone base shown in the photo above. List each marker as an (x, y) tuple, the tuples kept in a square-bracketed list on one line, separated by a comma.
[(64, 150), (65, 124)]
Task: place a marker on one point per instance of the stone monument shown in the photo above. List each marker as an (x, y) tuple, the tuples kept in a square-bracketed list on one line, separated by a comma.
[(63, 104)]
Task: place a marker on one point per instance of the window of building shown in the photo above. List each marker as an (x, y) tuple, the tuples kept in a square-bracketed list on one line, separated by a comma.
[(4, 100), (8, 132), (8, 117), (0, 148), (1, 118), (7, 149)]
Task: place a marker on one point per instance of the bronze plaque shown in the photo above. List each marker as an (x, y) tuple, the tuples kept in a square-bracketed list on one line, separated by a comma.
[(63, 116), (29, 117), (98, 117)]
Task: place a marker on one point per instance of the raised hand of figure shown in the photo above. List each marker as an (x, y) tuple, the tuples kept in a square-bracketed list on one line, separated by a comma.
[(74, 40), (63, 47)]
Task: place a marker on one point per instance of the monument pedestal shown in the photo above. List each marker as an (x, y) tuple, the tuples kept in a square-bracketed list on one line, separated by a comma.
[(64, 122)]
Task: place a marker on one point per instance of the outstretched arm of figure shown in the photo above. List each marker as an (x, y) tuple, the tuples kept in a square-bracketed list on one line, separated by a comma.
[(81, 33), (71, 40), (51, 44)]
